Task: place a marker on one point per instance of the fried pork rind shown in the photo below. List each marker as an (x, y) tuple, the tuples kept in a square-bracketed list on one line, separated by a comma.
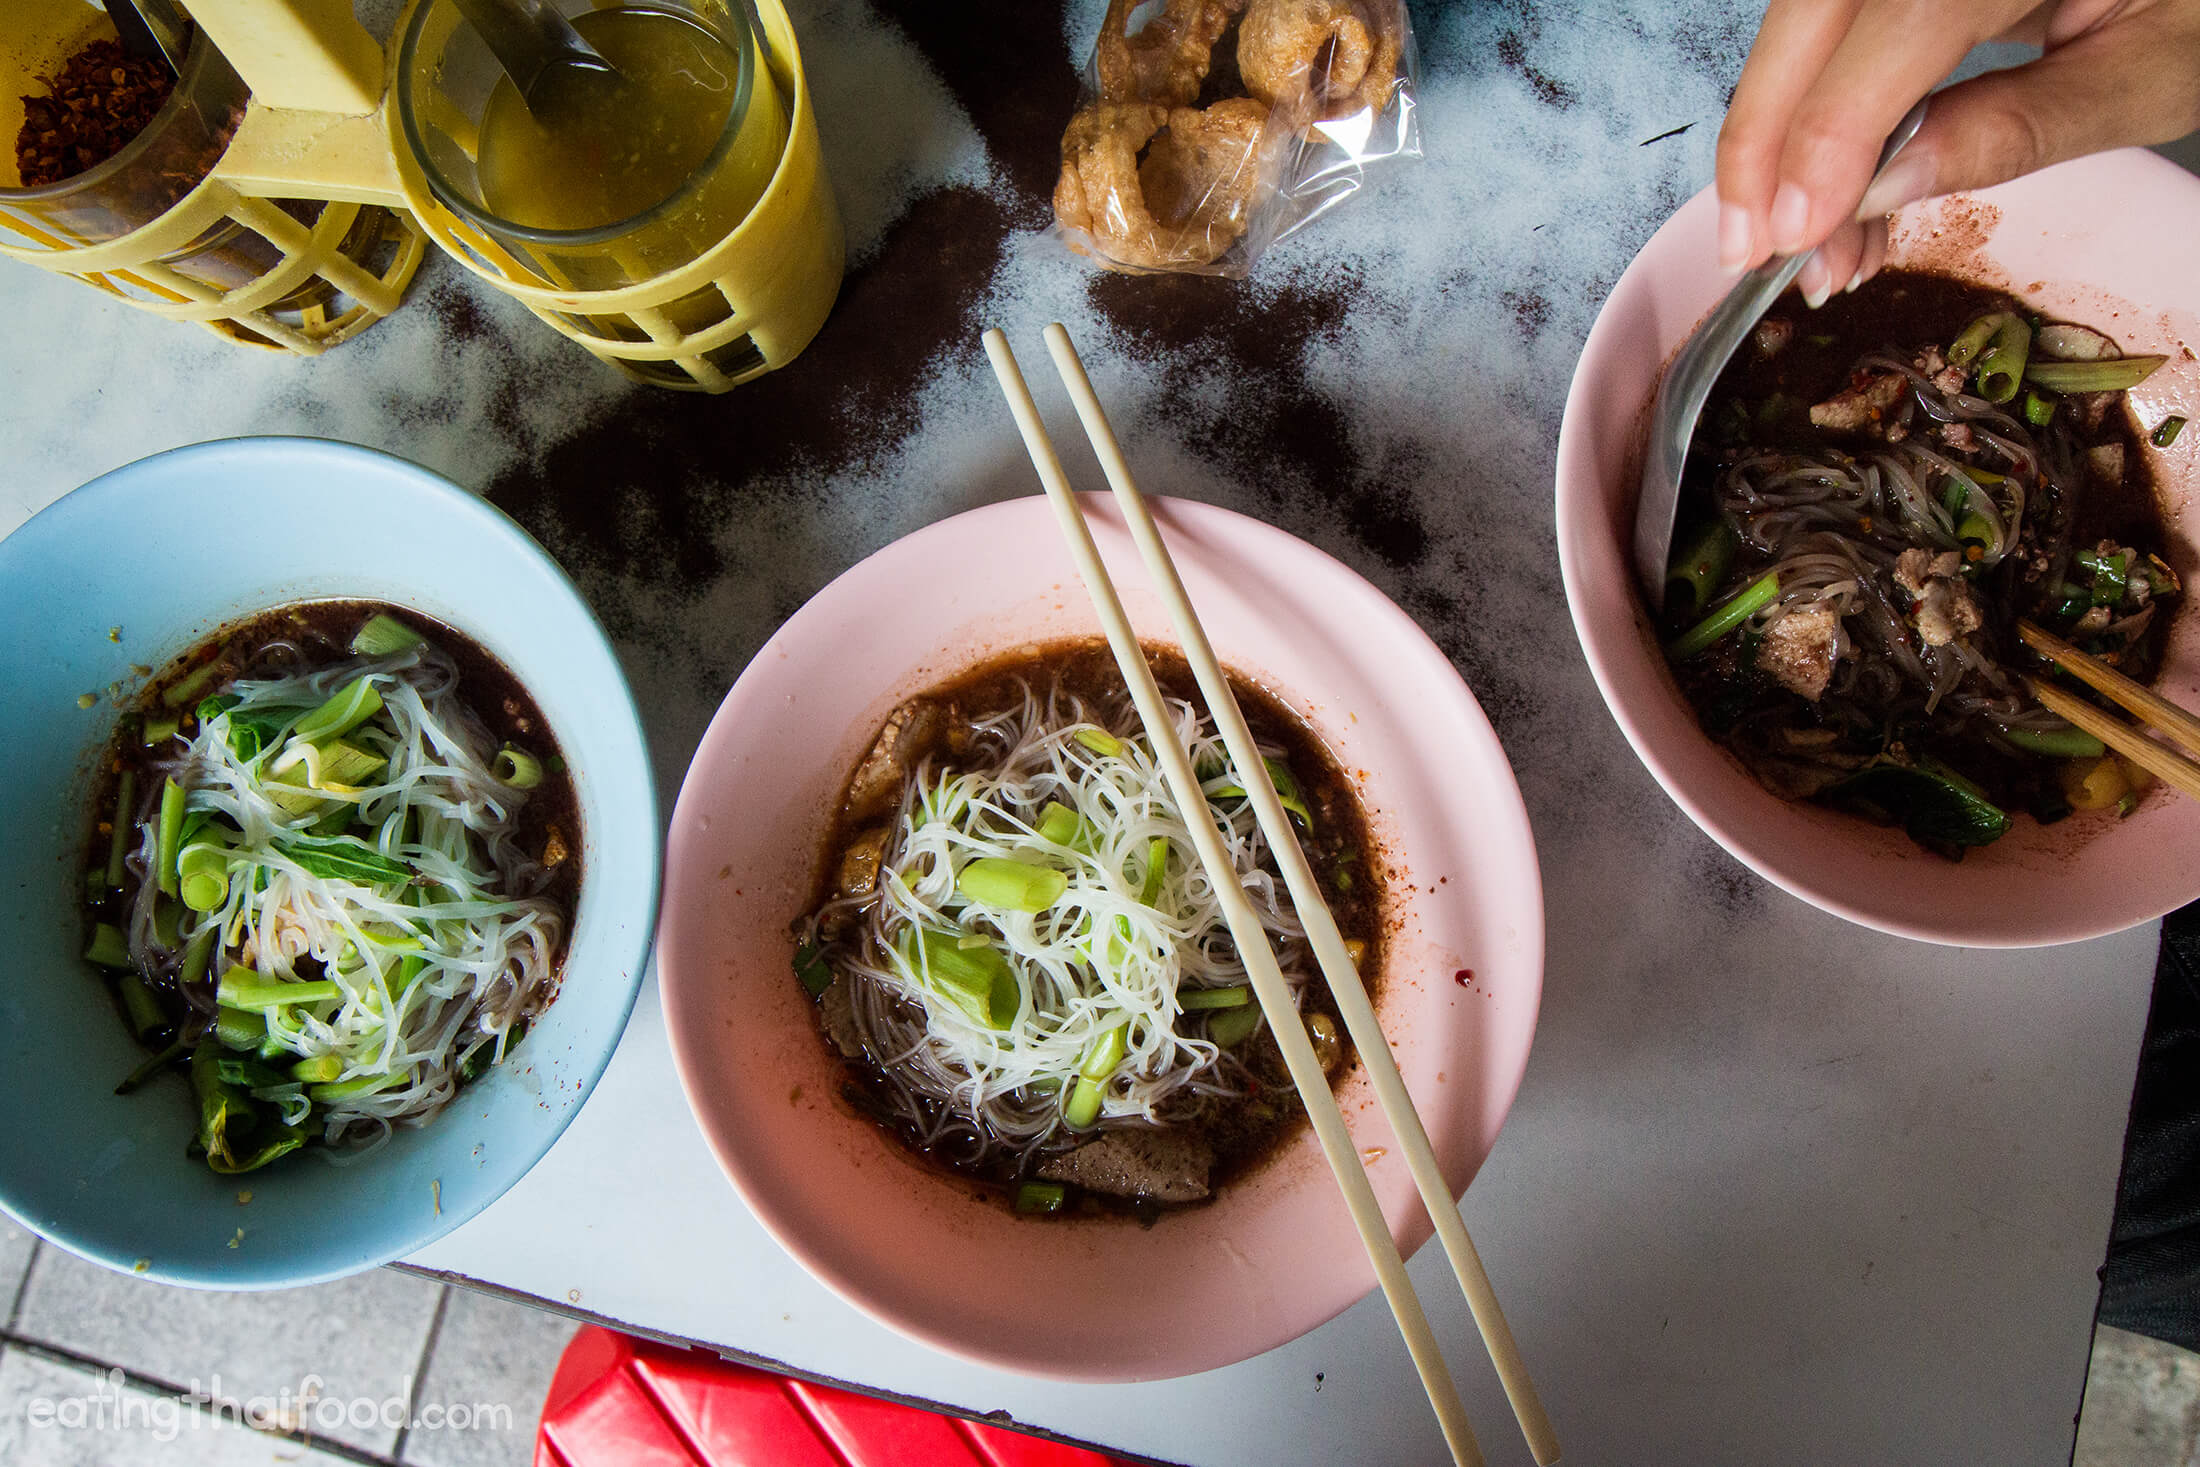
[(1190, 199), (1324, 58), (1167, 61)]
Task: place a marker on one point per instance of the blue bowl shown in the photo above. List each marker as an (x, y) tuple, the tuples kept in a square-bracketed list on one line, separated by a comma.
[(168, 550)]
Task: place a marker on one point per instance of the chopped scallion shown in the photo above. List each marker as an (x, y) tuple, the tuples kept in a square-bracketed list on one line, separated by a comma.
[(1011, 885), (1100, 742), (2117, 374), (382, 635), (242, 988), (1213, 998), (517, 768), (1737, 609), (345, 709), (1041, 1197), (108, 947)]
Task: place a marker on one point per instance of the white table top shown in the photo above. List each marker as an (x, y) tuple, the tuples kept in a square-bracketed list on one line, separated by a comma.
[(1775, 1188)]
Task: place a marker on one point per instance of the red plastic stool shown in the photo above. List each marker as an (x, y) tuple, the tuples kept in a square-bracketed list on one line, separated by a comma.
[(622, 1402)]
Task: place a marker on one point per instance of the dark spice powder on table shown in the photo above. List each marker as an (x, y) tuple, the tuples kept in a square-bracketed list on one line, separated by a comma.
[(103, 98)]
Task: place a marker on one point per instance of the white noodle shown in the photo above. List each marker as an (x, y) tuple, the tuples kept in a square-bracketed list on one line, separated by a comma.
[(487, 947)]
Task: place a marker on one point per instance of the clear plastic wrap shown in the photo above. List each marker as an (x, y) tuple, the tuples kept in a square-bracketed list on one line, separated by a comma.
[(1210, 129)]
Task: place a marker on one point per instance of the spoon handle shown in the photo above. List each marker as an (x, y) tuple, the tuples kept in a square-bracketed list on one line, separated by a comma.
[(152, 28), (1688, 381), (528, 38)]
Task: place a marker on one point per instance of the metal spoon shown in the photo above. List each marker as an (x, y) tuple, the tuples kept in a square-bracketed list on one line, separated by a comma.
[(536, 46), (152, 28), (1696, 366)]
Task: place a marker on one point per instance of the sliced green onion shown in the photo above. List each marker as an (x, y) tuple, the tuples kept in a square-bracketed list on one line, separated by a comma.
[(1737, 609), (125, 824), (2058, 743), (1058, 823), (152, 1067), (108, 947), (1229, 1028), (188, 687), (811, 968), (1041, 1197), (2001, 366), (317, 1069), (1966, 347), (2039, 411), (1010, 885), (146, 1016), (1084, 1103), (158, 731), (353, 1089), (170, 838), (198, 956), (242, 988), (1974, 529), (2166, 433), (1157, 871), (251, 734), (346, 708), (1105, 1052), (2117, 374), (1100, 742), (202, 871), (240, 1029), (249, 1073), (381, 635), (1287, 791), (1213, 998), (515, 767), (1700, 565), (977, 981)]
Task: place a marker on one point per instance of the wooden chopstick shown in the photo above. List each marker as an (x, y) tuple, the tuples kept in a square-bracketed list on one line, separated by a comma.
[(2150, 706), (1321, 927), (1244, 923), (2170, 767)]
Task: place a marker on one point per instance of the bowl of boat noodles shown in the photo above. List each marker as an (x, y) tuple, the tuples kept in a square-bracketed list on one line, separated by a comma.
[(953, 999), (343, 870), (1881, 494)]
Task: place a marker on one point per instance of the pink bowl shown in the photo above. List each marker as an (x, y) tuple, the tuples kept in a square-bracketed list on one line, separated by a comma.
[(2106, 240), (1092, 1300)]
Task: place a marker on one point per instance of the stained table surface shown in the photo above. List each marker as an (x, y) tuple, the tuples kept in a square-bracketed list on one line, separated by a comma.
[(1775, 1188)]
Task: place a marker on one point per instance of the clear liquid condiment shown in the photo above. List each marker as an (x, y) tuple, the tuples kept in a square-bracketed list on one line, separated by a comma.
[(607, 149)]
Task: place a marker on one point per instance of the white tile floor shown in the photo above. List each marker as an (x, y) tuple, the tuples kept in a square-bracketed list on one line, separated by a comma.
[(98, 1370)]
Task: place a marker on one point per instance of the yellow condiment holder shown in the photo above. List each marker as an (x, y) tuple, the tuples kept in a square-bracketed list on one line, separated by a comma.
[(320, 128), (743, 307), (252, 271)]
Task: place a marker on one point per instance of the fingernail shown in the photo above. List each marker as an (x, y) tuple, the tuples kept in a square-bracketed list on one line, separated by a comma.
[(1815, 281), (1907, 179), (1735, 237), (1790, 218), (1854, 281)]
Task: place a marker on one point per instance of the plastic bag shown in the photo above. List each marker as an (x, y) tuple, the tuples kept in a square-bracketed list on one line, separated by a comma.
[(1210, 129)]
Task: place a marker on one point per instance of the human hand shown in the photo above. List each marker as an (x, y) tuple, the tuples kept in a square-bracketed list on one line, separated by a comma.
[(1828, 79)]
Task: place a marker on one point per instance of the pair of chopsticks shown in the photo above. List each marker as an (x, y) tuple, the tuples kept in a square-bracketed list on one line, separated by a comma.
[(1252, 942), (2152, 709)]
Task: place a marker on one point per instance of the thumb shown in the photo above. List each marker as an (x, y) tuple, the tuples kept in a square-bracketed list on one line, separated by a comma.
[(2124, 84)]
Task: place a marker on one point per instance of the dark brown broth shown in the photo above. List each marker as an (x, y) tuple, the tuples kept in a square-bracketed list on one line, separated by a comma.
[(1900, 311), (1246, 1136)]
